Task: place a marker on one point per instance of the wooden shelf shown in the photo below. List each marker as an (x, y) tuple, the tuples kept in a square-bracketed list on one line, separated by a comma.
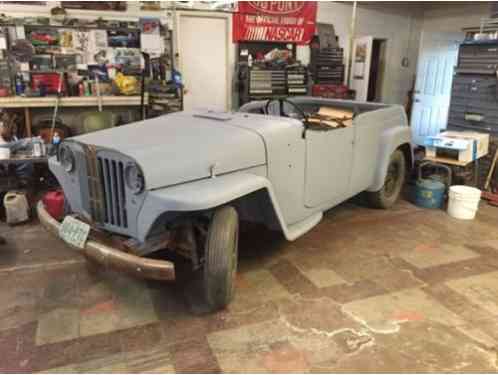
[(448, 161), (73, 101)]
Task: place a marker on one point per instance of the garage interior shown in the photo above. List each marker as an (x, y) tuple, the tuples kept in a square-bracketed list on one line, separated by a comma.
[(411, 288)]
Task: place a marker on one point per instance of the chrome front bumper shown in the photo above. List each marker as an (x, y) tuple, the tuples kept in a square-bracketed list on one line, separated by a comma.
[(113, 258)]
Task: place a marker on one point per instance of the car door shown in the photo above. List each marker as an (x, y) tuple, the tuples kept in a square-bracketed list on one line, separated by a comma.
[(329, 157)]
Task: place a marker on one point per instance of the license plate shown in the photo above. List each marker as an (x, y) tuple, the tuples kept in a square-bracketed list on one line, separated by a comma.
[(74, 232)]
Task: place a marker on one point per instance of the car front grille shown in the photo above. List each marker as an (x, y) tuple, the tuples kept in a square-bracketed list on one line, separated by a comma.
[(106, 189)]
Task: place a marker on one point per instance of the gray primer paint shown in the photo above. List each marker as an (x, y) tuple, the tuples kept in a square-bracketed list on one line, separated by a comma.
[(199, 160)]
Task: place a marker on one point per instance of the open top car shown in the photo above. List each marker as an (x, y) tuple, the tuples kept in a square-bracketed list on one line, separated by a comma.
[(183, 181)]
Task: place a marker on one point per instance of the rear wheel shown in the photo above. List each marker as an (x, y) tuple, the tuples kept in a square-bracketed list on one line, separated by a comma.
[(395, 177), (220, 264)]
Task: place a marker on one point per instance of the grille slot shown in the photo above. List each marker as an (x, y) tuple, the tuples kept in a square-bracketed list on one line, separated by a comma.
[(96, 201), (114, 191)]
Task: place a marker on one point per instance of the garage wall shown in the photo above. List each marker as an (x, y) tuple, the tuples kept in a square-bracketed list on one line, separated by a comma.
[(455, 16), (381, 20), (385, 21)]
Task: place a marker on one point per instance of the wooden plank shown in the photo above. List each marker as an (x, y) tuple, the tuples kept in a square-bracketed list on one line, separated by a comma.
[(448, 161), (27, 121), (491, 170), (333, 117), (339, 113)]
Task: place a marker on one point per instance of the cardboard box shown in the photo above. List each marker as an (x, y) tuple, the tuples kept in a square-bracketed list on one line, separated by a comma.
[(464, 147)]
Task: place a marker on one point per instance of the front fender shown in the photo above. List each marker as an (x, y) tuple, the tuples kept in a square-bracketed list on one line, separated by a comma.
[(391, 139), (201, 195)]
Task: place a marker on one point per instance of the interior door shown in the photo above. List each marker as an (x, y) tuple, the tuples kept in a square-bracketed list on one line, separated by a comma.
[(360, 72), (329, 156), (203, 60), (431, 100)]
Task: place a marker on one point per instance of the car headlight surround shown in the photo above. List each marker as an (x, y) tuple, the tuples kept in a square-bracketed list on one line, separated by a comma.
[(134, 178), (67, 158)]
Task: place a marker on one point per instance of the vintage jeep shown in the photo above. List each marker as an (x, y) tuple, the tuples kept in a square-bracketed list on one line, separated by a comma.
[(182, 181)]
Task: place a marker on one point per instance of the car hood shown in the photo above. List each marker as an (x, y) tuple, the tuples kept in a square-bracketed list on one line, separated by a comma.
[(183, 146)]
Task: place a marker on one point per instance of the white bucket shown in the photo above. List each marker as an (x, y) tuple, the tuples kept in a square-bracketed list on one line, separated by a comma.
[(4, 153), (463, 202)]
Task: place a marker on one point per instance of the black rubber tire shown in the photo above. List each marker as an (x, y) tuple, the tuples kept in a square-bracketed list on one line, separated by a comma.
[(221, 255), (384, 198)]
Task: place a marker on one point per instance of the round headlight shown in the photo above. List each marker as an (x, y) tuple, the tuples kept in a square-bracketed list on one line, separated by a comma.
[(134, 178), (66, 157)]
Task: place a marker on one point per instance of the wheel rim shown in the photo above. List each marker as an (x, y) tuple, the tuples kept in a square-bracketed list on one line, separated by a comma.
[(392, 179)]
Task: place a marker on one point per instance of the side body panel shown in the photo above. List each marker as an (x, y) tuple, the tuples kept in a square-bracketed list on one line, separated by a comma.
[(286, 159), (329, 159)]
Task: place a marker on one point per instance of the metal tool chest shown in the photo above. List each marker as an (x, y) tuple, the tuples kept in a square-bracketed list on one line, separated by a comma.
[(256, 83), (474, 99), (326, 65), (479, 58)]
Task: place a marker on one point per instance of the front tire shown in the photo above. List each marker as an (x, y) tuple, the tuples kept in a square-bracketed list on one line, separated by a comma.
[(221, 254), (395, 177)]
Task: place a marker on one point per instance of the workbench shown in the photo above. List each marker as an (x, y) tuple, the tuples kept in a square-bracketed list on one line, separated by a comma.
[(72, 101), (17, 159), (10, 181)]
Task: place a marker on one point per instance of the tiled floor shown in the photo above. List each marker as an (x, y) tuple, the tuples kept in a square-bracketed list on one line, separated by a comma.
[(366, 290)]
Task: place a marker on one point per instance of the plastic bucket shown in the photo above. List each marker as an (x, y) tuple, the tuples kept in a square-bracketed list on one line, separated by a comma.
[(4, 153), (463, 202)]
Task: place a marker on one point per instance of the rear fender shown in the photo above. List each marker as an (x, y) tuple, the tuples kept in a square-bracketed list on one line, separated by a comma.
[(391, 140)]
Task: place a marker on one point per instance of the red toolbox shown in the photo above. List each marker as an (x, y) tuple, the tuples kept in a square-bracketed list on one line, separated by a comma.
[(49, 80), (332, 91)]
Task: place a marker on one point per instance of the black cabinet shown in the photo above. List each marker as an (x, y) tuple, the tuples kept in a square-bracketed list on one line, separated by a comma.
[(474, 99)]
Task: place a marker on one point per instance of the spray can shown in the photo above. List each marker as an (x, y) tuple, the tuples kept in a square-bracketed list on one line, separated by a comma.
[(37, 147), (19, 84), (81, 89), (88, 88), (56, 141)]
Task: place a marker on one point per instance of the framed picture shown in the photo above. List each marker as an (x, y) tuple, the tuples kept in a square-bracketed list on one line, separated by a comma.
[(41, 62), (150, 5), (66, 62), (43, 37), (127, 39)]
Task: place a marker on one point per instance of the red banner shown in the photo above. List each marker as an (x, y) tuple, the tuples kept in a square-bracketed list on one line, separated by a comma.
[(275, 21)]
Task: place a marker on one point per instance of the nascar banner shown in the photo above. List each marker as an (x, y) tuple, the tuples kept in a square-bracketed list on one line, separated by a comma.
[(275, 21)]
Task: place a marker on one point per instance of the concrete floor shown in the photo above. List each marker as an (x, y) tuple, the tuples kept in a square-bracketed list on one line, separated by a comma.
[(366, 290)]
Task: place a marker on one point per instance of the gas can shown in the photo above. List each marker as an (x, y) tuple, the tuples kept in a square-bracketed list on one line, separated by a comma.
[(54, 204), (430, 192)]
